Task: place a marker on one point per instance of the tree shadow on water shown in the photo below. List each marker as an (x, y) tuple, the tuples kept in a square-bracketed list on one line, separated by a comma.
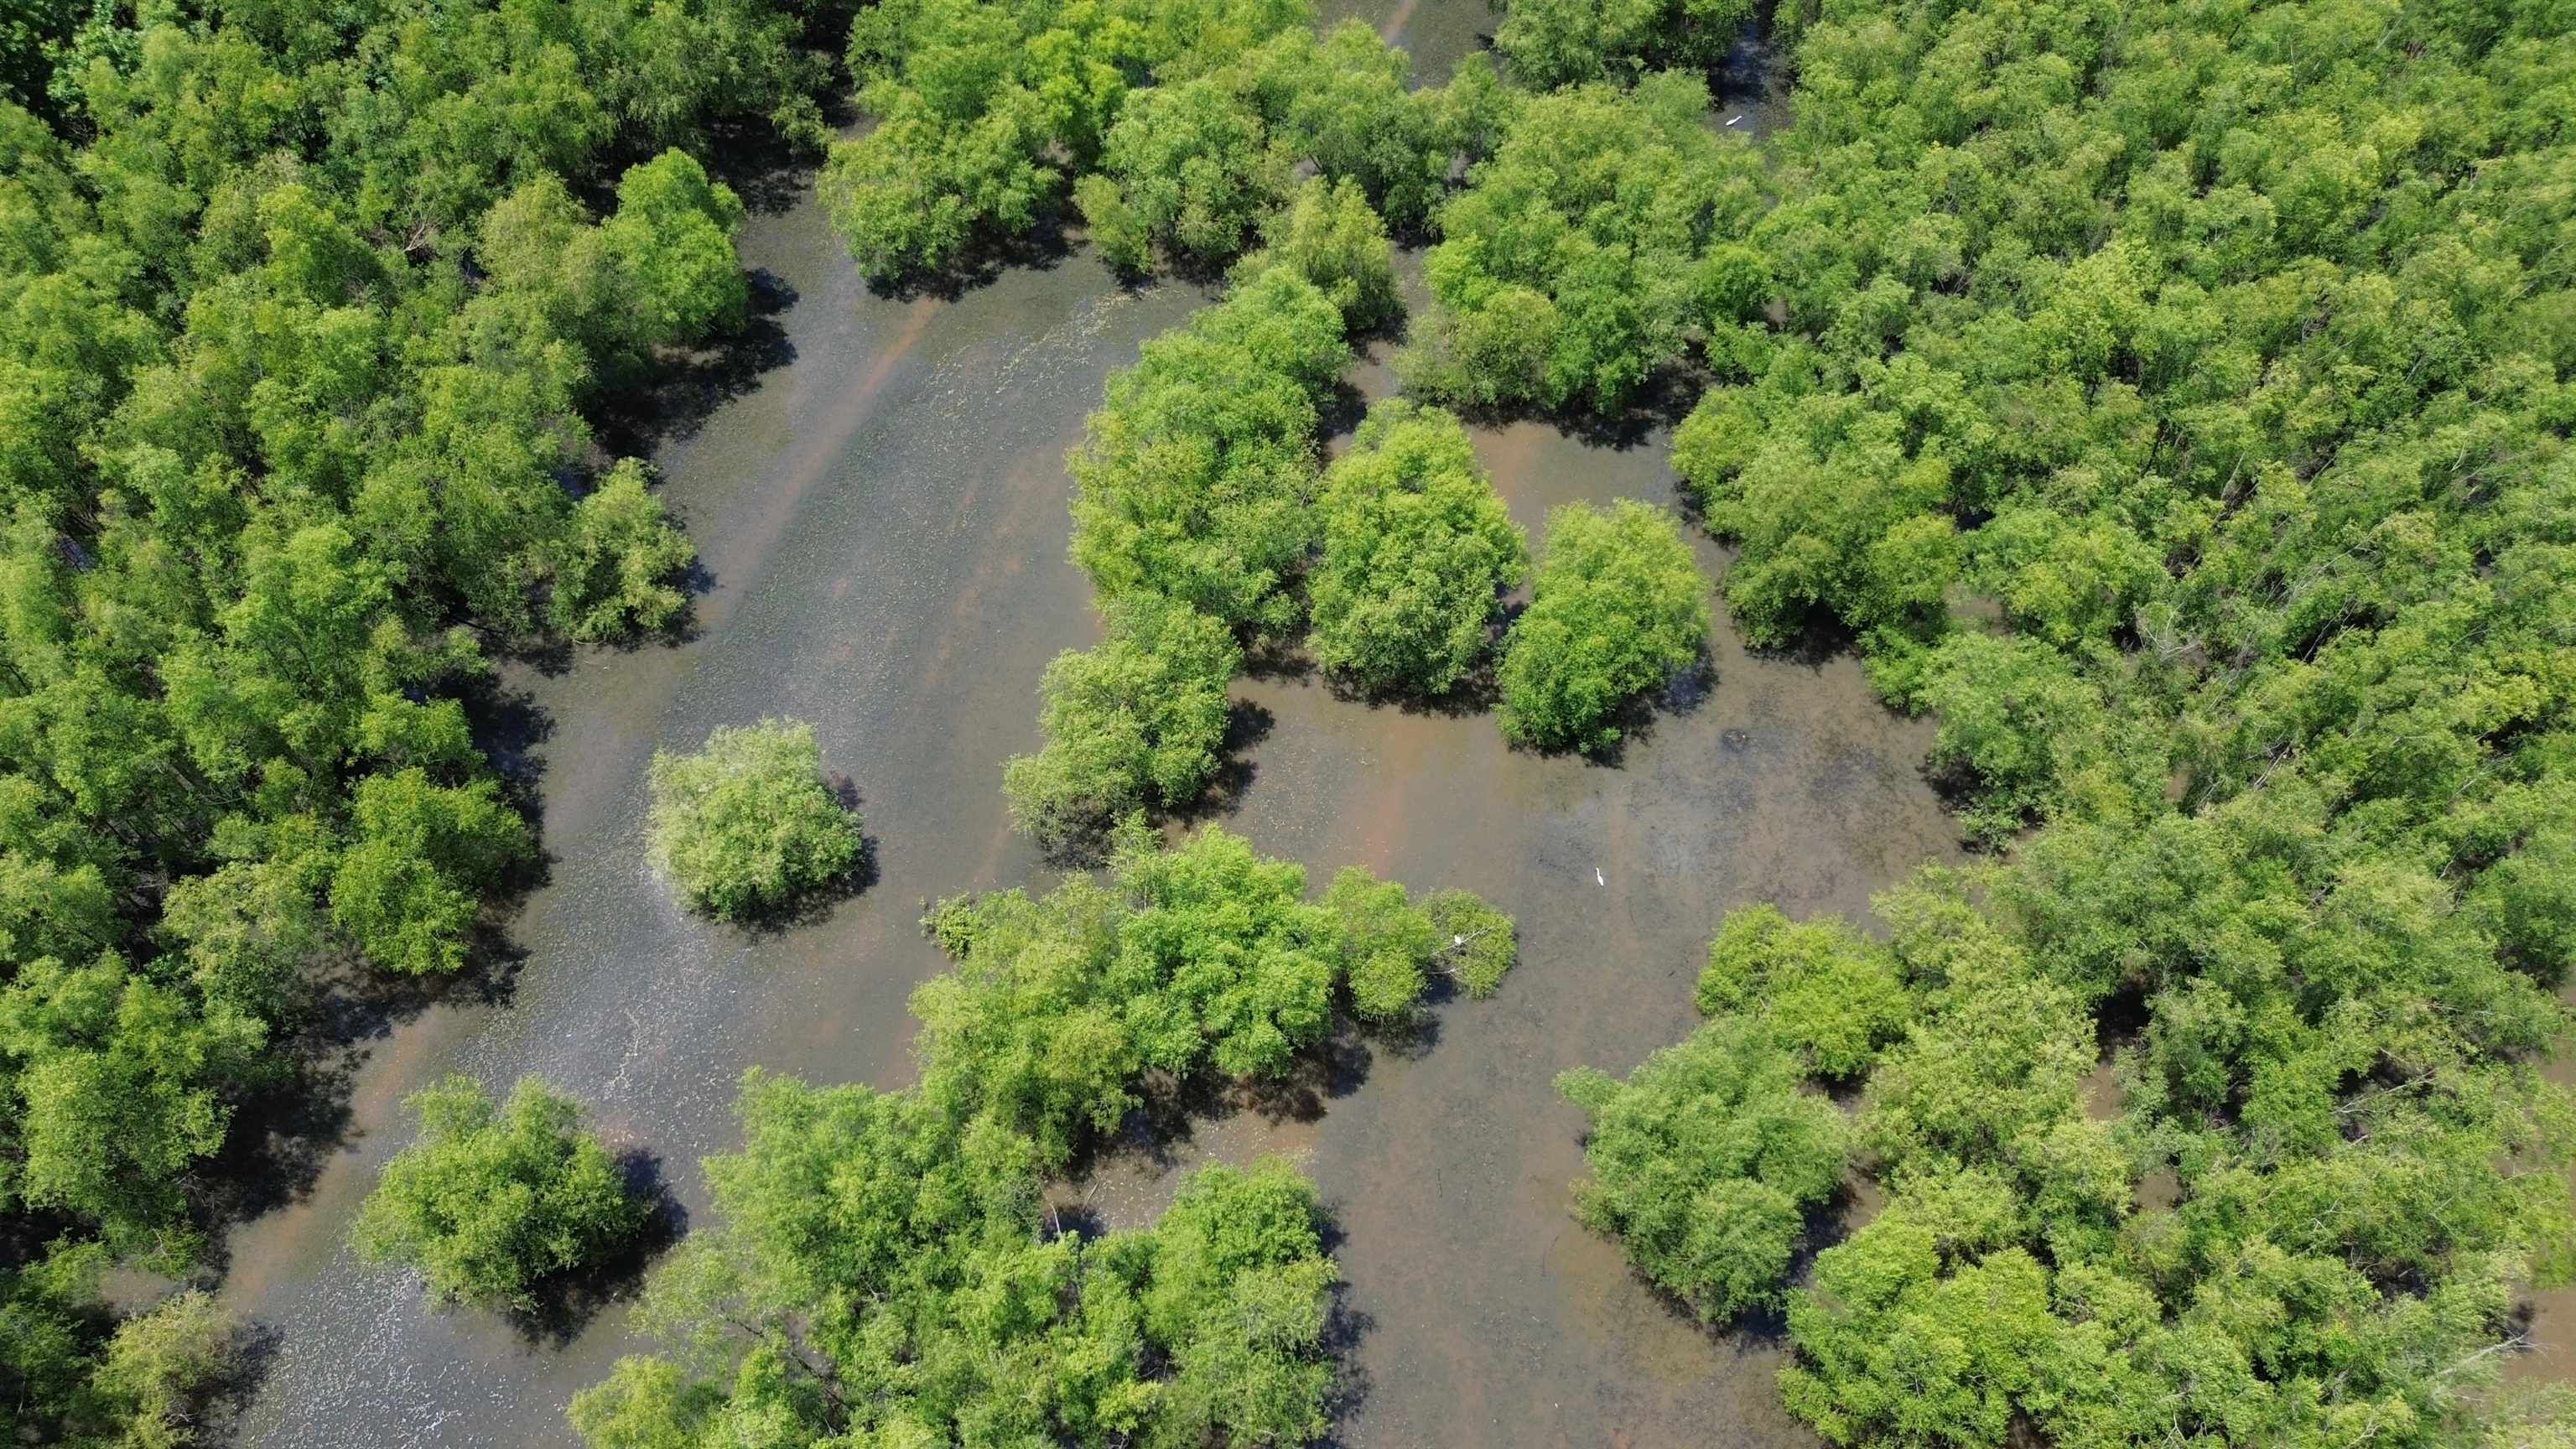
[(1821, 639), (1044, 248), (1346, 1327), (286, 1129), (674, 394), (1657, 408), (1246, 725)]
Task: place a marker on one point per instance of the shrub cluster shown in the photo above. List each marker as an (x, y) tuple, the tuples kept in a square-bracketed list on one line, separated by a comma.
[(748, 824)]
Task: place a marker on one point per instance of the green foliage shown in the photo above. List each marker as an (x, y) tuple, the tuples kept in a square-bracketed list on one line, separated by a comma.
[(1192, 174), (1571, 268), (1385, 940), (1137, 721), (748, 824), (123, 1086), (985, 112), (77, 1377), (1618, 607), (299, 321), (1706, 1160), (1471, 941), (1202, 956), (877, 1274), (2247, 420), (491, 1202), (1893, 1351), (1195, 477), (1328, 235), (673, 236), (1823, 988), (2016, 719), (162, 1365), (615, 577), (1222, 960), (1827, 503), (1559, 42), (1176, 130), (410, 885), (1416, 549)]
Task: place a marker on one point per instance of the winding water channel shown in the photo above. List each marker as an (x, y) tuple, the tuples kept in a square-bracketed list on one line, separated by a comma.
[(882, 513)]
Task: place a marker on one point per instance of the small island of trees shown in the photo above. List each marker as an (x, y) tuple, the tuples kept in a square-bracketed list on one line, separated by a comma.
[(748, 825)]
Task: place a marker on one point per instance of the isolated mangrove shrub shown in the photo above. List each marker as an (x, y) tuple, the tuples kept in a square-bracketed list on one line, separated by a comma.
[(1618, 607), (1471, 941), (747, 824), (1417, 548), (490, 1202)]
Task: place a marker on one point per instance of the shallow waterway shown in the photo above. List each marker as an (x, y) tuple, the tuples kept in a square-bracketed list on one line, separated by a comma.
[(882, 515)]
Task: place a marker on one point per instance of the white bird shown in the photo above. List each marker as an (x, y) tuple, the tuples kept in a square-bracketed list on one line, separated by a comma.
[(1596, 877), (1731, 120)]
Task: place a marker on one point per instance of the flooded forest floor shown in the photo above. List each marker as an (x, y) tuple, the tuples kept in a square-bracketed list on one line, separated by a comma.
[(878, 492)]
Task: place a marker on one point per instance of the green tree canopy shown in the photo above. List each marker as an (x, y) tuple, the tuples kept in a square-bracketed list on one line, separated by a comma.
[(1706, 1161), (1328, 235), (1551, 43), (1618, 607), (492, 1201), (1586, 253), (1202, 957), (1194, 478), (302, 315), (877, 1271), (1416, 551), (1138, 721), (621, 559), (747, 824)]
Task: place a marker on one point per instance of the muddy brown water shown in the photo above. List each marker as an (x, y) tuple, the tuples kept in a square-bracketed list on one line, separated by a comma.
[(884, 520)]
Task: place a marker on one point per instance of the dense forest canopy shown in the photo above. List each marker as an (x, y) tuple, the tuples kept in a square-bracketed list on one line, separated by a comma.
[(305, 315), (2227, 348), (2171, 398)]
